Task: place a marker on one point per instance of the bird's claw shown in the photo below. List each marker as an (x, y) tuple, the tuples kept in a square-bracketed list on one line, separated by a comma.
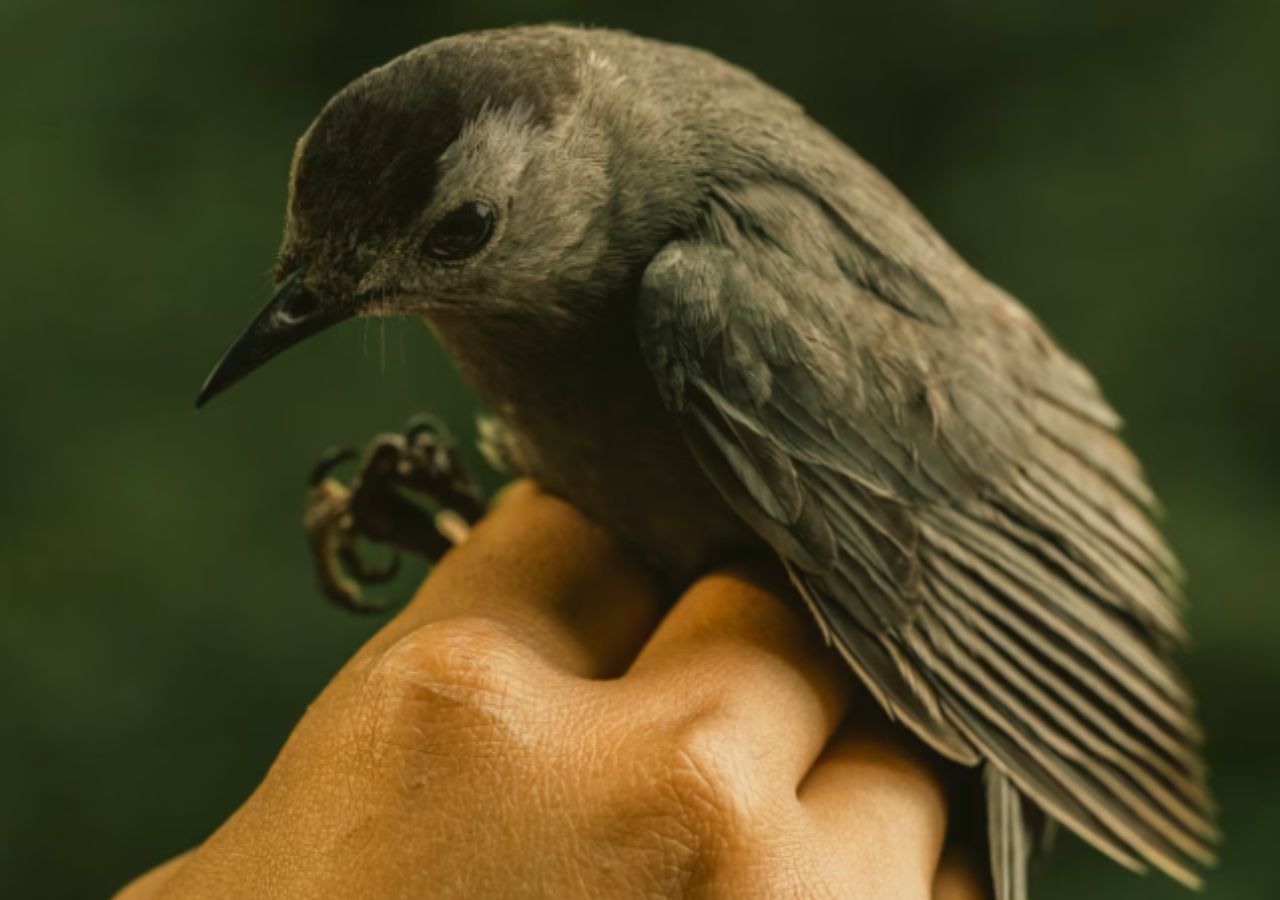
[(363, 571), (421, 460), (328, 461), (331, 537)]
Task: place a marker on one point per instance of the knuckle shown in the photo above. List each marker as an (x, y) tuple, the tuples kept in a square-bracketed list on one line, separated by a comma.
[(461, 671), (466, 651), (700, 764), (717, 785), (685, 800), (690, 787)]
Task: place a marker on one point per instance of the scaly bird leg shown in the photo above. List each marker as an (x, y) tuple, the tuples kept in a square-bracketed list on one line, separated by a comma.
[(422, 460)]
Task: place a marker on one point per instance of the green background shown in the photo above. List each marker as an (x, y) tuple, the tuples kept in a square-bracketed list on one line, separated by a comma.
[(1115, 165)]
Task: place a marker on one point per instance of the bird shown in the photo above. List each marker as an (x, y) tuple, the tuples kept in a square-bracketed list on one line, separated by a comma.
[(708, 323)]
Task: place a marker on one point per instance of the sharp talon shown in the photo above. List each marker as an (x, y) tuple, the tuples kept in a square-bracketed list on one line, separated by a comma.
[(349, 599), (376, 505), (329, 460), (363, 571), (425, 424)]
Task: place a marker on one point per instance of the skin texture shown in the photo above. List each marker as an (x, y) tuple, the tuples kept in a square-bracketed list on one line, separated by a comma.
[(508, 735)]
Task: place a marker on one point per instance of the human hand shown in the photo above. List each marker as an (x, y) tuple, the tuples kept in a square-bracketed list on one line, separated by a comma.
[(536, 723)]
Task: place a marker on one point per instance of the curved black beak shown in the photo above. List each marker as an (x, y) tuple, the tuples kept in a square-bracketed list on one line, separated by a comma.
[(292, 315)]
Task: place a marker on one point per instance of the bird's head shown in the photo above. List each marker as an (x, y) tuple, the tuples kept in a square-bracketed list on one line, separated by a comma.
[(468, 177)]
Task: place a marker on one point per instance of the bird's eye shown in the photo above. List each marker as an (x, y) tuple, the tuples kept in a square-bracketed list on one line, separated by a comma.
[(462, 232)]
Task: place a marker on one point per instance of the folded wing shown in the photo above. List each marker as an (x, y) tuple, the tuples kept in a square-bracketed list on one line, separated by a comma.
[(950, 495)]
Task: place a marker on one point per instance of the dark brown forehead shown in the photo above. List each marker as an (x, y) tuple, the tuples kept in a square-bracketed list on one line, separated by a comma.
[(370, 163)]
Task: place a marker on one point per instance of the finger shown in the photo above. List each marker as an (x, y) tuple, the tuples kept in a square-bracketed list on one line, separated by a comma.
[(550, 577), (737, 643), (875, 797)]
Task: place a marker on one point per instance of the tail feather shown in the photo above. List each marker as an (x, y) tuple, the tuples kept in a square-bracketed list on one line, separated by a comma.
[(1008, 836)]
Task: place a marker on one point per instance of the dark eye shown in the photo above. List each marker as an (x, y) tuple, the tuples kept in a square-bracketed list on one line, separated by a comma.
[(462, 232)]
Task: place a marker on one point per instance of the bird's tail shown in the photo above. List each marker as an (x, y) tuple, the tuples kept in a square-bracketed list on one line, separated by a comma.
[(1009, 836)]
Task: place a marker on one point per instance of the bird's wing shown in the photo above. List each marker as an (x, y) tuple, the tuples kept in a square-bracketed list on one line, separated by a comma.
[(949, 493)]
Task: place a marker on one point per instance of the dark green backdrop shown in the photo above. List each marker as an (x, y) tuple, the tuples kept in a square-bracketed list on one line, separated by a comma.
[(1116, 165)]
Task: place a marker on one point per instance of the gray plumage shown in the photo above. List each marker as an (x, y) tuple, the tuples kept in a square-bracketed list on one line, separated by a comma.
[(707, 322)]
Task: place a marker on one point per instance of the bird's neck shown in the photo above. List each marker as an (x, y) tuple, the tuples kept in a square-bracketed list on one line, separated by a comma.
[(509, 359)]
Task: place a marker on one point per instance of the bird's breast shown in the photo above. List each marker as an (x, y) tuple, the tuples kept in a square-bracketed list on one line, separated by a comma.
[(589, 426), (618, 456)]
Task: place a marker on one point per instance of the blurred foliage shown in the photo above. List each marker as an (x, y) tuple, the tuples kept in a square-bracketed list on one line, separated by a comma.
[(1115, 165)]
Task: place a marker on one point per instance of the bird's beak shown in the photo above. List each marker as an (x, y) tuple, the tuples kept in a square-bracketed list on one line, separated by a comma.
[(291, 316)]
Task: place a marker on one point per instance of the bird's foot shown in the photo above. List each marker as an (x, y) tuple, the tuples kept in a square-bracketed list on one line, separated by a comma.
[(422, 460)]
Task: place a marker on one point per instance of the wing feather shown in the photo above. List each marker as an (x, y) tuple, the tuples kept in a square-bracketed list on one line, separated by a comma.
[(952, 500)]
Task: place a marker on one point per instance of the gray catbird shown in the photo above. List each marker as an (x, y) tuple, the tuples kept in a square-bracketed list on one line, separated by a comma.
[(706, 322)]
